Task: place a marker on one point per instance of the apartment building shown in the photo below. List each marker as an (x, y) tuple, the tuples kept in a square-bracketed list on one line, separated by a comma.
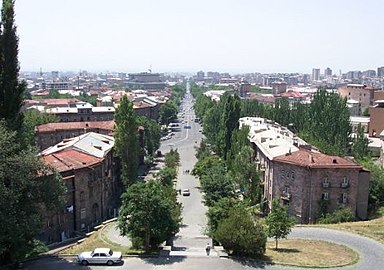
[(93, 190), (303, 178), (52, 133), (360, 93)]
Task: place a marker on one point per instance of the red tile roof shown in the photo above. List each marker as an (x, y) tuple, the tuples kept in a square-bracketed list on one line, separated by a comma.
[(51, 127), (305, 158), (70, 159)]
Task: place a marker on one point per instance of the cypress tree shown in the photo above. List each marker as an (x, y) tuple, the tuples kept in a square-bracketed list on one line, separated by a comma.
[(127, 140), (11, 90)]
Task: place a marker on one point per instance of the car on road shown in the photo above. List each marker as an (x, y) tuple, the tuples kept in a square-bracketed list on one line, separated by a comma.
[(186, 192), (100, 256), (187, 126)]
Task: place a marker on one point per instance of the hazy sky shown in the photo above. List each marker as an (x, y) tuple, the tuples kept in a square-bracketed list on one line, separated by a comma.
[(192, 35)]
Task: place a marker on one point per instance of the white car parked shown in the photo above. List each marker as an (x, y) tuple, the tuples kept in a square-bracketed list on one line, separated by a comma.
[(100, 256)]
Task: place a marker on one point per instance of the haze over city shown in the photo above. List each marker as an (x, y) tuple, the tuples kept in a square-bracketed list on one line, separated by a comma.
[(225, 35)]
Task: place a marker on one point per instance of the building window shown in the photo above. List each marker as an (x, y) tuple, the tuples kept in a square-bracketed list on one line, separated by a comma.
[(345, 182), (83, 213), (325, 182), (344, 198), (325, 196), (282, 175), (293, 175)]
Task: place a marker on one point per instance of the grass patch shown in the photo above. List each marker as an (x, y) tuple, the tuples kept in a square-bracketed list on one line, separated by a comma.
[(310, 253), (372, 228), (99, 239)]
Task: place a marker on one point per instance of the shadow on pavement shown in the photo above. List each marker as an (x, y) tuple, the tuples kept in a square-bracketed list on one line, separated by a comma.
[(164, 260), (54, 263), (174, 248), (251, 262)]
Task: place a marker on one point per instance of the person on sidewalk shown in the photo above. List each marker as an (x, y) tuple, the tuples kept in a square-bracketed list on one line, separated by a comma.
[(208, 249)]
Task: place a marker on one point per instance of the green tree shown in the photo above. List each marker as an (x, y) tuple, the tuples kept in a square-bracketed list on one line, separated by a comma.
[(329, 125), (211, 118), (147, 213), (203, 150), (203, 164), (240, 234), (27, 185), (166, 175), (219, 211), (228, 123), (126, 140), (279, 222), (87, 98), (168, 113), (282, 112), (172, 159), (360, 144), (151, 135), (216, 185), (376, 183), (11, 90), (33, 118)]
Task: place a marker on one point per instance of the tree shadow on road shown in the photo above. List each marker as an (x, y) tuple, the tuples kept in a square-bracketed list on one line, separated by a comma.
[(175, 248), (250, 262), (163, 260), (53, 262)]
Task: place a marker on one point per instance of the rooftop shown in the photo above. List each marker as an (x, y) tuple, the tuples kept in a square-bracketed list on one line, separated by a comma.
[(91, 143), (306, 158), (51, 127), (271, 138), (70, 159)]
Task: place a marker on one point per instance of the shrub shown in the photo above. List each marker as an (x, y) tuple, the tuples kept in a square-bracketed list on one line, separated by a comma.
[(342, 214), (241, 235)]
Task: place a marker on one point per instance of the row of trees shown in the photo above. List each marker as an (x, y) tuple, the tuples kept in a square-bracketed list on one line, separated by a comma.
[(135, 136), (150, 213), (168, 111), (230, 181), (325, 123), (27, 186)]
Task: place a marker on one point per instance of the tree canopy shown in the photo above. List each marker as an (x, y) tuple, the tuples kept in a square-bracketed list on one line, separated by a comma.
[(168, 113), (26, 185), (241, 234), (151, 135), (127, 140), (148, 214)]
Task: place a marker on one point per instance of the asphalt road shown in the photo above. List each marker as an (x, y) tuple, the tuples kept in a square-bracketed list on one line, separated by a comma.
[(188, 252)]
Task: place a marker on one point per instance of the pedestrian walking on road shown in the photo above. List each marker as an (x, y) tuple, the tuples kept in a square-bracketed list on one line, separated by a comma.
[(208, 249)]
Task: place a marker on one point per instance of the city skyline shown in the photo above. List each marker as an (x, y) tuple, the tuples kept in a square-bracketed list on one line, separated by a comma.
[(225, 36)]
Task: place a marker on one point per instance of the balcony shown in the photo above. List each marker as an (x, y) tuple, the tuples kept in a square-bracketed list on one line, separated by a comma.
[(326, 184)]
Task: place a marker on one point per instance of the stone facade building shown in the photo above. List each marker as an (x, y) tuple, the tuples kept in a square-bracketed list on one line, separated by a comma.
[(93, 189), (52, 133), (303, 178), (360, 93)]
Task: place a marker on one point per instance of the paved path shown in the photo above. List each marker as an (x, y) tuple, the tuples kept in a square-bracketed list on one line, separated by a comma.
[(114, 235)]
